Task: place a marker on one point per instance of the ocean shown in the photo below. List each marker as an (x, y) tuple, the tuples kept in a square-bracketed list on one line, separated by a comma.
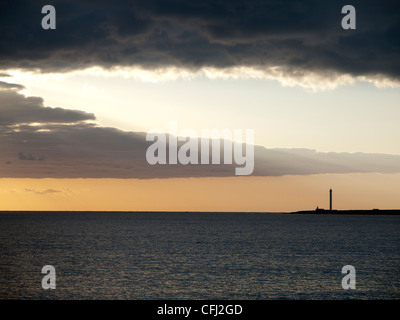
[(257, 256)]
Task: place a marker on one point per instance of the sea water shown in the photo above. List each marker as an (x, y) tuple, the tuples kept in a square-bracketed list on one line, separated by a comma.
[(263, 256)]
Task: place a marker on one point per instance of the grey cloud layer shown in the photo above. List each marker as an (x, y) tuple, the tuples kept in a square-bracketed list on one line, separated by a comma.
[(7, 85), (296, 35), (16, 109), (66, 144)]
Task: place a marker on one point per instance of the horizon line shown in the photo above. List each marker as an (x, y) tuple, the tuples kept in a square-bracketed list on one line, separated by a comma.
[(325, 211)]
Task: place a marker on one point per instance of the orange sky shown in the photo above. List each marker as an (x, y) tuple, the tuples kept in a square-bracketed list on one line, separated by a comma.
[(286, 193)]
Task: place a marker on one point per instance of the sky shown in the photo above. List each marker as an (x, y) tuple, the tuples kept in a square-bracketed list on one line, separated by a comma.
[(77, 101)]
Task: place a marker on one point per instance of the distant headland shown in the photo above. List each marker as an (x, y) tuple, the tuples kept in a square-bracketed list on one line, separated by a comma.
[(358, 212), (332, 211)]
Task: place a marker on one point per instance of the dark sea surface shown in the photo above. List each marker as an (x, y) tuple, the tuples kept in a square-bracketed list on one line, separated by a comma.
[(199, 255)]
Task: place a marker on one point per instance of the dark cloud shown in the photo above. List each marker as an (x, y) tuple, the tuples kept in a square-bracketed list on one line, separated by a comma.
[(23, 156), (7, 85), (17, 109), (42, 142), (29, 157), (295, 35)]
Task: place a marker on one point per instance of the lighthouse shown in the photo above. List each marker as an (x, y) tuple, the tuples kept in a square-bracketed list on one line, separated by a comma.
[(330, 199)]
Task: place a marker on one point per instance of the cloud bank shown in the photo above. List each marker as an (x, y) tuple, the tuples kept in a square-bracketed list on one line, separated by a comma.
[(295, 41), (38, 141)]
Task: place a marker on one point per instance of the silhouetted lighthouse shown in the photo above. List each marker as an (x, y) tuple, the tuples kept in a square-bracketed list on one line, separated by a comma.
[(330, 199)]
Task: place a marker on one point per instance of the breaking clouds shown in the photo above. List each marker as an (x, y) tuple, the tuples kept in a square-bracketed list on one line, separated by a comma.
[(297, 38)]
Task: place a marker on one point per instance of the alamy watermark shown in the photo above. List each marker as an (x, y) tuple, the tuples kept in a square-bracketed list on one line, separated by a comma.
[(49, 280), (349, 280), (209, 141), (349, 20), (49, 20)]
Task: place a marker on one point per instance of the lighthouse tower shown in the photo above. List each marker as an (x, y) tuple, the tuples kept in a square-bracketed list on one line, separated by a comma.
[(330, 199)]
